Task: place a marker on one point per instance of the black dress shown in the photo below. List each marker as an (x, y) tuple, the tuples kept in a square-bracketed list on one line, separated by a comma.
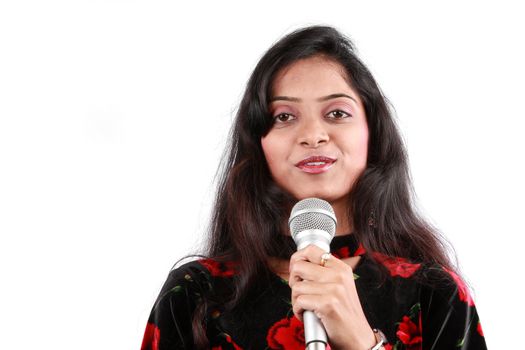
[(415, 305)]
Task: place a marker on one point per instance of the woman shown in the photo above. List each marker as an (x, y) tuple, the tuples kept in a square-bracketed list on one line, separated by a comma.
[(313, 123)]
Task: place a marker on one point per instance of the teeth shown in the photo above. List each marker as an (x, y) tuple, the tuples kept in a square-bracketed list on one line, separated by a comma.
[(315, 163)]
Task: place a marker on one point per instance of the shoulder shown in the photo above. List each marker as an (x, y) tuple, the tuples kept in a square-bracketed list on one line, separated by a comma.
[(448, 312), (170, 321), (217, 268), (185, 294), (202, 268), (397, 266), (430, 276), (442, 281), (435, 283), (442, 314), (198, 276), (190, 276)]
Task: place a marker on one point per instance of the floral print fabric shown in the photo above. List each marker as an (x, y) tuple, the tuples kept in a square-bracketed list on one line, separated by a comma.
[(397, 297)]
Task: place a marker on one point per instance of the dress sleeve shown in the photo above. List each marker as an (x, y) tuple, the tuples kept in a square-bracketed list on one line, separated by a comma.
[(170, 322), (449, 317)]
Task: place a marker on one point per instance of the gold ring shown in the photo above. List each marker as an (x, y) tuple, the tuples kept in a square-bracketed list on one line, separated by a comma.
[(324, 258)]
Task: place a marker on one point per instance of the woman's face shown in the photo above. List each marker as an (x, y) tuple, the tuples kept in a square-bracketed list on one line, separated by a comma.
[(318, 144)]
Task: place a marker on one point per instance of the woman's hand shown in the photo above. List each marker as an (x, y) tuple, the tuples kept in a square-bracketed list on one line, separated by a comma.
[(331, 294)]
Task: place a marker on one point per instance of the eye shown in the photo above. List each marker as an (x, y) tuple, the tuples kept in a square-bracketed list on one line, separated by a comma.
[(338, 114), (283, 118)]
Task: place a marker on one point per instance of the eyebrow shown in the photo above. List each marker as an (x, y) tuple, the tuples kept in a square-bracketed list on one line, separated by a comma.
[(321, 99)]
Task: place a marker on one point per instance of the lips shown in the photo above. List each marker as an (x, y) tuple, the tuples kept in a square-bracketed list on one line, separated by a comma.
[(316, 164)]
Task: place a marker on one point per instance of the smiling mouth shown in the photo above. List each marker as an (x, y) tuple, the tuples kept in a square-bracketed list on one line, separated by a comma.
[(316, 164)]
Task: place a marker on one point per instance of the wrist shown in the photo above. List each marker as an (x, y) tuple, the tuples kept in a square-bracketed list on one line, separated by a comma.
[(366, 341), (380, 340)]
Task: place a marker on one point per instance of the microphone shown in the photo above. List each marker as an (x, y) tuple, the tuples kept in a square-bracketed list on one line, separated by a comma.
[(313, 221)]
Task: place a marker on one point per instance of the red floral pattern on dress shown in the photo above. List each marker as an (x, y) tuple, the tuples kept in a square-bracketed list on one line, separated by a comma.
[(463, 291), (218, 269), (480, 330), (151, 338), (229, 341), (345, 252), (287, 333), (341, 253), (409, 333), (397, 266), (360, 250)]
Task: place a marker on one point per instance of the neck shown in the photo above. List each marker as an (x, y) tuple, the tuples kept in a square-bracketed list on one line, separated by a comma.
[(344, 224)]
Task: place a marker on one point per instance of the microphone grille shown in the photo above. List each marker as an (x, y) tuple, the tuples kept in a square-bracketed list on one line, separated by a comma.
[(312, 213)]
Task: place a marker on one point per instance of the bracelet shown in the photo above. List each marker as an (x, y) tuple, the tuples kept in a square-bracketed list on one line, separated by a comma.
[(380, 339)]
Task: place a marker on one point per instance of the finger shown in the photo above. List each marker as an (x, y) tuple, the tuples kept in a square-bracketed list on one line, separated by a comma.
[(312, 288), (319, 304), (310, 253), (307, 287), (305, 270), (313, 254)]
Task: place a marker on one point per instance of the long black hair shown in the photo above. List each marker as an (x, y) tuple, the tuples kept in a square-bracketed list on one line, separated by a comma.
[(250, 209)]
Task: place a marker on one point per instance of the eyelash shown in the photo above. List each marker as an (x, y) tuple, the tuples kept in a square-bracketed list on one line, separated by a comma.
[(340, 111), (276, 118)]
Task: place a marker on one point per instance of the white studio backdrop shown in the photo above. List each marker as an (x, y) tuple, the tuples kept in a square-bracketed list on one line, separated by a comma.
[(114, 115)]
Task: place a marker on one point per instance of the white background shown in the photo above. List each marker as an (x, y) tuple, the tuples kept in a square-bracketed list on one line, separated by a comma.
[(114, 115)]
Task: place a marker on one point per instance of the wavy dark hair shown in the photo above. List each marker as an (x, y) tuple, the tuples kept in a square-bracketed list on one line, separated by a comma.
[(250, 209)]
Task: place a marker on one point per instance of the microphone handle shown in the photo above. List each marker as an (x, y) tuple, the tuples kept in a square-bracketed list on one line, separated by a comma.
[(314, 332)]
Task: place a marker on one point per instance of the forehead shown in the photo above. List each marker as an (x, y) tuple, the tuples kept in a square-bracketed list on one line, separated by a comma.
[(311, 75)]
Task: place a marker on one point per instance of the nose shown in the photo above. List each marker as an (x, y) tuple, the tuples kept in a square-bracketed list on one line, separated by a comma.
[(312, 134)]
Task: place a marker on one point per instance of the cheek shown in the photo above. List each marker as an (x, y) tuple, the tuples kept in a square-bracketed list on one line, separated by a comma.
[(361, 143), (271, 152), (275, 153), (363, 148), (356, 149)]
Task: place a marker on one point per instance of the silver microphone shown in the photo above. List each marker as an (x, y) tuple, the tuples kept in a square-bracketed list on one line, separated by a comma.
[(313, 221)]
